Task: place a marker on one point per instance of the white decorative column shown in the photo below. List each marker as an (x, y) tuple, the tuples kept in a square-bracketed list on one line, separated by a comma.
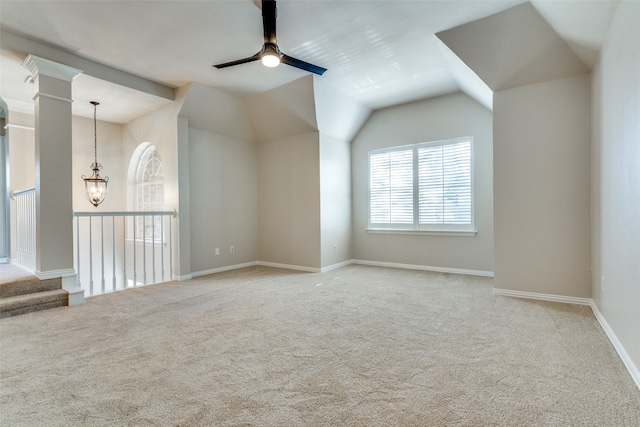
[(54, 201)]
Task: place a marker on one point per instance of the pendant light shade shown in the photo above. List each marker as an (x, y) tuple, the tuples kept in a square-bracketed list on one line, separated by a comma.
[(95, 186)]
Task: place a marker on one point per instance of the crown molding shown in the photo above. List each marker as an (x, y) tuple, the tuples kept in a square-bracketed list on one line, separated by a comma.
[(46, 67)]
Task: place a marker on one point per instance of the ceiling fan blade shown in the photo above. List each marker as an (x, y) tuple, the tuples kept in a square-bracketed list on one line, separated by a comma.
[(239, 61), (270, 47), (269, 15), (286, 59)]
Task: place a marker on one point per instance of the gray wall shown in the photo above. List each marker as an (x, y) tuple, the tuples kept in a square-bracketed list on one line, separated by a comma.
[(444, 117), (616, 180), (289, 201), (223, 193), (541, 192), (335, 200), (109, 156)]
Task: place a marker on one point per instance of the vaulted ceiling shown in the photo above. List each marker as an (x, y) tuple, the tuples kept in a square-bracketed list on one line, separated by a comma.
[(379, 53)]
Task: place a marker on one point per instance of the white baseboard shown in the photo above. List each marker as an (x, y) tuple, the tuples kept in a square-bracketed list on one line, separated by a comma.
[(628, 363), (221, 269), (425, 268), (340, 265), (182, 278), (271, 264), (289, 266), (543, 297), (76, 296), (336, 266), (624, 356), (55, 274)]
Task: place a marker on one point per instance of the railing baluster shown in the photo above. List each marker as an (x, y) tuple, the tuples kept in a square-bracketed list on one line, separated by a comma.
[(78, 250), (162, 246), (144, 249), (26, 247), (90, 257), (113, 253), (18, 228), (32, 239), (24, 235), (102, 281), (124, 252), (25, 227), (135, 238), (153, 246)]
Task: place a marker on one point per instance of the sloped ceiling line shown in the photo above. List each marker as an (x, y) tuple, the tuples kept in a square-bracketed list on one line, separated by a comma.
[(513, 48)]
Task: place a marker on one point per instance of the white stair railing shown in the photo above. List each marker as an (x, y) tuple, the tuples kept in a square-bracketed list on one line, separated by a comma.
[(119, 250), (25, 228)]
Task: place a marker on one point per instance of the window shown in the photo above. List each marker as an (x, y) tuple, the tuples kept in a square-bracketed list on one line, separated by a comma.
[(422, 187), (149, 188)]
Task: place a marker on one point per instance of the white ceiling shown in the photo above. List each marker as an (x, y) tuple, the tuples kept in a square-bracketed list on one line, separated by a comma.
[(380, 53)]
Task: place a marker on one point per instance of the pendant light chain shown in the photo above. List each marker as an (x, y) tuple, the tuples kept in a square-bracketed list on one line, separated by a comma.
[(95, 134), (95, 186)]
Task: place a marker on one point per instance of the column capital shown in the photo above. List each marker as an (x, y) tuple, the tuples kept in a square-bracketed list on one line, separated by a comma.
[(46, 67)]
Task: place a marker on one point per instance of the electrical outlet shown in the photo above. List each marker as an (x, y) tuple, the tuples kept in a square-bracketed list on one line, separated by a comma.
[(335, 248), (217, 251), (232, 249)]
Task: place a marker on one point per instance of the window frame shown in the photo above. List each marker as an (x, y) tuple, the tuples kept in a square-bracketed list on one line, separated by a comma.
[(141, 186), (415, 227)]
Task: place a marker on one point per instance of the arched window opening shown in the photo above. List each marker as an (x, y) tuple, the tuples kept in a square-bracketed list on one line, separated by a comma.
[(149, 193)]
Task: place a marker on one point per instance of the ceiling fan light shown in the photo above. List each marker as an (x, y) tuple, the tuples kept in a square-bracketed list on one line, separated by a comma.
[(270, 59)]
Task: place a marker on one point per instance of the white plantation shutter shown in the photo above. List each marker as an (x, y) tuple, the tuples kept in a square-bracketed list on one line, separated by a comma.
[(430, 183), (426, 186), (444, 176), (391, 187)]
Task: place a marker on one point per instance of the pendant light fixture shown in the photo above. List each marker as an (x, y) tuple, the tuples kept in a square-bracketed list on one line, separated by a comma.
[(95, 186)]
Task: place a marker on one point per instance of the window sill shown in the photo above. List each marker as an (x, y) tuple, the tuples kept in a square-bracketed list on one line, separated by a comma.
[(456, 233)]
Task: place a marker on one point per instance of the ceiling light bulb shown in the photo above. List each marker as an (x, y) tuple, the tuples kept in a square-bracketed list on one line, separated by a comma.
[(270, 60)]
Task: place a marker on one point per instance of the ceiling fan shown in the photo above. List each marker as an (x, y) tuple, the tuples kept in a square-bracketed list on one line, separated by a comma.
[(270, 54)]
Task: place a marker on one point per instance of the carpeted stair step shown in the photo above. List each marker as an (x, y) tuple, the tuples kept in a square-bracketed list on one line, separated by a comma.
[(28, 285), (20, 304)]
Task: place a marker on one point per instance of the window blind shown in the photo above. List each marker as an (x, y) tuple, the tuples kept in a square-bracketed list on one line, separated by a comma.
[(391, 187), (444, 177), (422, 186)]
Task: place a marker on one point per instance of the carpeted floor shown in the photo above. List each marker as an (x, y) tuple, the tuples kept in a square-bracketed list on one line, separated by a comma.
[(358, 346), (10, 273)]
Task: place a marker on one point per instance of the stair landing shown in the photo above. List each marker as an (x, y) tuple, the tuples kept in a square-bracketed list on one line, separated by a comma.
[(21, 292)]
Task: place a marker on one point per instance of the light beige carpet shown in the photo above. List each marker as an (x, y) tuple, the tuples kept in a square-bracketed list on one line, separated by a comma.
[(358, 346), (10, 273)]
